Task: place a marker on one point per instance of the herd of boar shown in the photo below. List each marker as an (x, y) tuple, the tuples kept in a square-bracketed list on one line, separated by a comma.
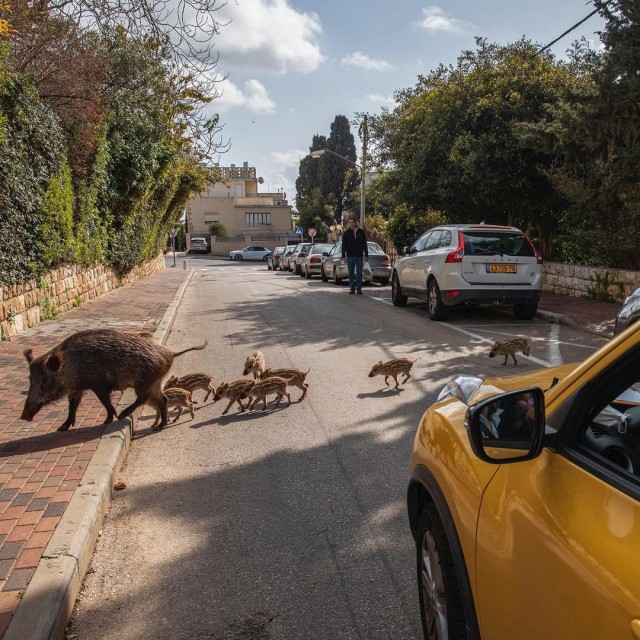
[(107, 360)]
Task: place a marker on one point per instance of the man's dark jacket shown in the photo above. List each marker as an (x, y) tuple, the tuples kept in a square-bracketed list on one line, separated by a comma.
[(354, 245)]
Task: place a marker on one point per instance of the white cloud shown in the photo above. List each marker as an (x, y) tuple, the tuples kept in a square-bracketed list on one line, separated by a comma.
[(380, 99), (290, 158), (434, 19), (363, 61), (253, 97), (268, 35)]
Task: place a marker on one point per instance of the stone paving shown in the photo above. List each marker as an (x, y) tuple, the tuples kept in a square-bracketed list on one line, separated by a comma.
[(40, 467)]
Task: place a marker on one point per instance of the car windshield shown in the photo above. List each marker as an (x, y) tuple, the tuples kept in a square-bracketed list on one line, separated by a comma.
[(374, 248), (509, 243), (320, 248)]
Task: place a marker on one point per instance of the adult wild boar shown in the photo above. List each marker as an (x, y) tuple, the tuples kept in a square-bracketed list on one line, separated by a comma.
[(102, 360)]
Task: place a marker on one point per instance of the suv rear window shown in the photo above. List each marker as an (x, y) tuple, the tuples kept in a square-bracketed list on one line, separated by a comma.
[(500, 243)]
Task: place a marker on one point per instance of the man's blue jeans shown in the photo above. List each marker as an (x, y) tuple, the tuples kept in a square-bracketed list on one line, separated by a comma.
[(355, 266)]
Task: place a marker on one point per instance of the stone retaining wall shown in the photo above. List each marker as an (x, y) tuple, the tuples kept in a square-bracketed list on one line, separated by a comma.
[(25, 305), (590, 282)]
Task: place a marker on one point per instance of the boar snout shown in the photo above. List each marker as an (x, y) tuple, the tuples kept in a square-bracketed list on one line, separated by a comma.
[(30, 409)]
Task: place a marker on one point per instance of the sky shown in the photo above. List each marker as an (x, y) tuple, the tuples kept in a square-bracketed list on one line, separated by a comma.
[(288, 67)]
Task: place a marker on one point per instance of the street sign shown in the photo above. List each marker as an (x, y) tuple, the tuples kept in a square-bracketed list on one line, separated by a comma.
[(298, 231), (173, 232), (311, 231)]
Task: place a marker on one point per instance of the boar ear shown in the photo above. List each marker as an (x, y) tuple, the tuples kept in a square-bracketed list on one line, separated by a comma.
[(28, 354), (54, 362)]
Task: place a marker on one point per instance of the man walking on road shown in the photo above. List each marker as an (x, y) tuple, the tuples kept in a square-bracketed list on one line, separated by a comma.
[(354, 253)]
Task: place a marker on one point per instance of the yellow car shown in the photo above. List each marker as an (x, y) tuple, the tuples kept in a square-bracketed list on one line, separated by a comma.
[(524, 501)]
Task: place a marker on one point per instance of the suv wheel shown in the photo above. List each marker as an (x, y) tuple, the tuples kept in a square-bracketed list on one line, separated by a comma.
[(265, 259), (336, 280), (237, 258), (525, 312), (441, 607), (435, 308), (396, 292)]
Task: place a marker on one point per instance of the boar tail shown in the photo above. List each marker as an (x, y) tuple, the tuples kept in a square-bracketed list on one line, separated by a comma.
[(202, 346)]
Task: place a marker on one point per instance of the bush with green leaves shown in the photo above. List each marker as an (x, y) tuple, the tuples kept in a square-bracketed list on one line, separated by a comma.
[(33, 180)]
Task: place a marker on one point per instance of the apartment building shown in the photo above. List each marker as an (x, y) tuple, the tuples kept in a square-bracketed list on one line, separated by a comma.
[(250, 217)]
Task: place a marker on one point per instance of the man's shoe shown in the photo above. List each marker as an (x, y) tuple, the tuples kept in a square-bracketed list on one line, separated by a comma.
[(360, 292), (352, 291)]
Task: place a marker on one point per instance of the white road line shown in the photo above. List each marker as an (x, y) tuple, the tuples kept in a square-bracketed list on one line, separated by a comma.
[(555, 358), (542, 363)]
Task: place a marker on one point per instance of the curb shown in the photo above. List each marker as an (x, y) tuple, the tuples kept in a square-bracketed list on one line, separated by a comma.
[(48, 601), (559, 318)]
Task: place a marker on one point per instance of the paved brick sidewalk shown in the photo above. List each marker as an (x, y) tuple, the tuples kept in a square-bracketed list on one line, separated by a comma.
[(593, 315), (39, 467)]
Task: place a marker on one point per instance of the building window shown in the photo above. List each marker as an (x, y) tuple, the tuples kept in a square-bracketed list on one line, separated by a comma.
[(211, 217), (256, 219)]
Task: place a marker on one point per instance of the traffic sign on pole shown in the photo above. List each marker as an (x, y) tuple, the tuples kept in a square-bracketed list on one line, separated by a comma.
[(173, 232), (298, 231)]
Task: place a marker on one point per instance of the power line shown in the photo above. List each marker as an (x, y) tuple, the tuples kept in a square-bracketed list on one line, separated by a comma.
[(575, 26)]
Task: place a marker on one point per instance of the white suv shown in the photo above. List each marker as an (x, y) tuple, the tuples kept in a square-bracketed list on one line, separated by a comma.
[(470, 264)]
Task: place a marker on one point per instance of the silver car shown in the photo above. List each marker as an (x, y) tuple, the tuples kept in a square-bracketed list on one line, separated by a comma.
[(273, 259), (250, 253), (334, 269), (295, 259), (463, 265), (311, 264)]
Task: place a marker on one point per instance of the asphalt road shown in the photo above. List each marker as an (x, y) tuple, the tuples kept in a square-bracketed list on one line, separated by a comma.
[(290, 523)]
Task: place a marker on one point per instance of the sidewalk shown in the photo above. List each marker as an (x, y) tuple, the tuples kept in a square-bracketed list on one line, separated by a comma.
[(40, 468), (593, 316)]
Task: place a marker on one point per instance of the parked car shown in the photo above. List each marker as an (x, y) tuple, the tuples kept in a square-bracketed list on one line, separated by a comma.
[(379, 263), (250, 253), (284, 260), (525, 504), (472, 264), (273, 259), (311, 264), (629, 312), (333, 269), (296, 257), (198, 245)]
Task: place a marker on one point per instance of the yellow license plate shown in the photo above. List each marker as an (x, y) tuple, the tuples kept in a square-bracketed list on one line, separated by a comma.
[(502, 268)]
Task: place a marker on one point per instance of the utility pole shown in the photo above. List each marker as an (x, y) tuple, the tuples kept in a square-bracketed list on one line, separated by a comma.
[(363, 165)]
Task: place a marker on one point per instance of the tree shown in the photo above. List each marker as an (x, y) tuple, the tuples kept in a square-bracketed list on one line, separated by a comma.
[(218, 229), (181, 33), (595, 134), (318, 212), (333, 177), (450, 143)]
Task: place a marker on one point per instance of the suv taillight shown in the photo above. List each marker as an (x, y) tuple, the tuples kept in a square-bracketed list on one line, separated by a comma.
[(536, 253), (457, 254)]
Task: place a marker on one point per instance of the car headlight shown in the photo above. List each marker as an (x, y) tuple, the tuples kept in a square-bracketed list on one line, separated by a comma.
[(461, 387)]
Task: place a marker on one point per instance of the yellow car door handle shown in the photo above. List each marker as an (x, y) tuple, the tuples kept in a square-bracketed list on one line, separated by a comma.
[(635, 628)]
